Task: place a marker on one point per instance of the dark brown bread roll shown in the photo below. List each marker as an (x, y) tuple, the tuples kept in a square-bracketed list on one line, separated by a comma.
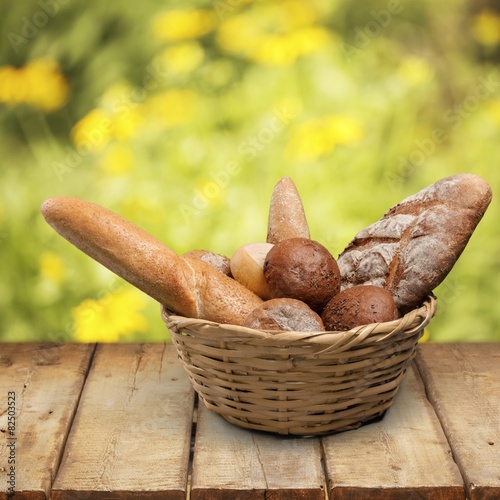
[(359, 305), (302, 269), (414, 246), (284, 314)]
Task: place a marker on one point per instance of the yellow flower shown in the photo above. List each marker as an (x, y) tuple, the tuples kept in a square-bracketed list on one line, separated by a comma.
[(415, 70), (181, 24), (492, 110), (125, 124), (94, 131), (111, 317), (118, 159), (182, 58), (273, 34), (486, 28), (317, 138), (344, 129), (99, 126), (286, 49), (237, 33), (39, 83), (173, 107), (297, 13), (52, 267), (13, 85)]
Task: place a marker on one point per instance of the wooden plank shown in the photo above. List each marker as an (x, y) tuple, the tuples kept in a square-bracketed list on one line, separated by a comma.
[(131, 435), (234, 463), (41, 385), (404, 455), (463, 383)]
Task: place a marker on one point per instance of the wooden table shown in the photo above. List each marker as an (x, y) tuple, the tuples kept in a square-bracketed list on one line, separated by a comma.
[(116, 421)]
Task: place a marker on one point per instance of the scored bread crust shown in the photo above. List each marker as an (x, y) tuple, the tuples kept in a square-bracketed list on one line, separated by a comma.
[(189, 287), (414, 246)]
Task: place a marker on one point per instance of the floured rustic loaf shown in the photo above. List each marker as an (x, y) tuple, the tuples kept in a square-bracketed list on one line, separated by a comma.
[(413, 247)]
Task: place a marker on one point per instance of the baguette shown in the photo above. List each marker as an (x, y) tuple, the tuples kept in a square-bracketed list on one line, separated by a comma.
[(414, 246), (286, 213), (188, 287)]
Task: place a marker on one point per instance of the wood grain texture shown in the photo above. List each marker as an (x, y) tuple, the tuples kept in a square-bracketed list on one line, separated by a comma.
[(131, 434), (234, 463), (404, 455), (47, 380), (463, 384)]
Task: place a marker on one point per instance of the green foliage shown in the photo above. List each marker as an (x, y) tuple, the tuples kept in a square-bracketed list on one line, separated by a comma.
[(361, 104)]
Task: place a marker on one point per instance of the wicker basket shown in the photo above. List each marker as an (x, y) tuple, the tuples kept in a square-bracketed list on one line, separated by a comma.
[(294, 382)]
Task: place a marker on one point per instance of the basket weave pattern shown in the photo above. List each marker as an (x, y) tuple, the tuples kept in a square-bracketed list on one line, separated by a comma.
[(298, 383)]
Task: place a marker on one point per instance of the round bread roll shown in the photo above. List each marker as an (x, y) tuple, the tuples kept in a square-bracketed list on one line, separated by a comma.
[(302, 269), (220, 262), (246, 267), (284, 314), (359, 305)]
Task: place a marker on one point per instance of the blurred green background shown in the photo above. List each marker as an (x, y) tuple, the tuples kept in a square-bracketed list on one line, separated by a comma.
[(182, 116)]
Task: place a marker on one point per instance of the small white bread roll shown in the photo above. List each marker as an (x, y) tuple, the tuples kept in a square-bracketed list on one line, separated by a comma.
[(247, 265)]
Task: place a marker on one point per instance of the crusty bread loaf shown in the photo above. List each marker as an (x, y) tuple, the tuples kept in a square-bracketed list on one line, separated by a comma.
[(286, 213), (188, 287), (413, 247)]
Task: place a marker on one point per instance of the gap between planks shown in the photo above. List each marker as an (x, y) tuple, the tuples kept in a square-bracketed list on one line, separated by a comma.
[(44, 410), (425, 384), (72, 419)]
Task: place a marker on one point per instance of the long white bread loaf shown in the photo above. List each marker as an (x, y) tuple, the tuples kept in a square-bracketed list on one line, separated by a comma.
[(188, 287), (286, 213), (413, 247)]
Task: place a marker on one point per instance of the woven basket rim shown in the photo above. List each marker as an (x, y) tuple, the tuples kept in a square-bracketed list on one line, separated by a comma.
[(413, 320)]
